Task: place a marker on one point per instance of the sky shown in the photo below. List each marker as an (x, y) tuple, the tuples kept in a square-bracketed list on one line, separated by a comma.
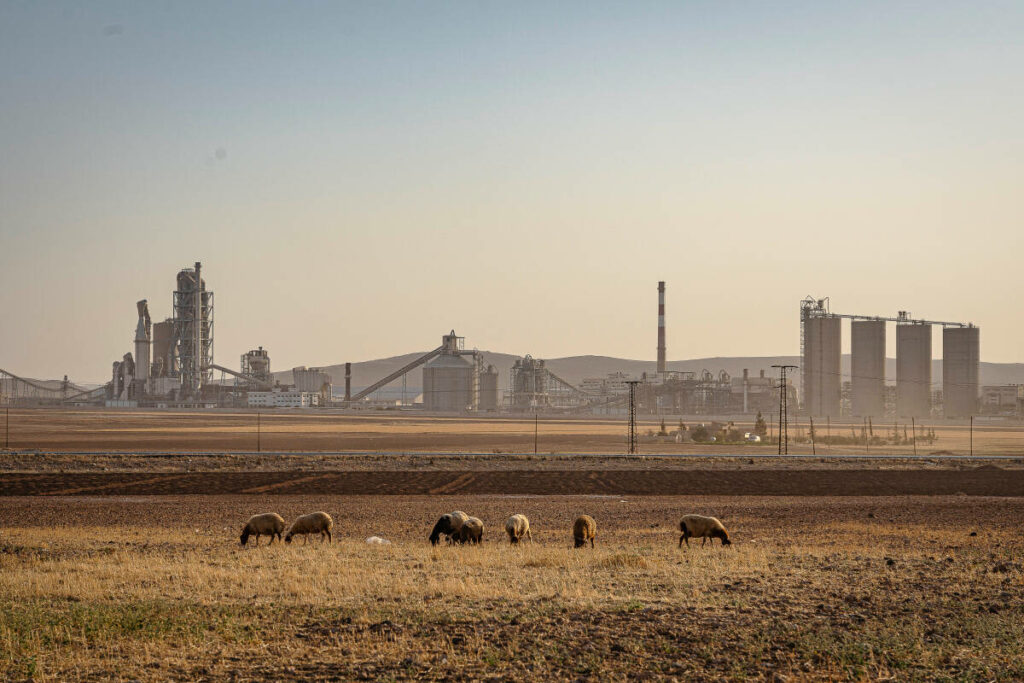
[(359, 178)]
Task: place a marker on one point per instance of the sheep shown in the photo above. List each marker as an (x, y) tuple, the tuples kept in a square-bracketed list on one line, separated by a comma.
[(319, 523), (518, 526), (584, 529), (471, 531), (697, 526), (268, 524), (449, 525)]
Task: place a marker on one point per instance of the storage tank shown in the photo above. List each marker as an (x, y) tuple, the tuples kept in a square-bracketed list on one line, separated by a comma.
[(961, 357), (913, 369), (489, 389), (821, 365), (867, 366), (162, 337), (448, 384)]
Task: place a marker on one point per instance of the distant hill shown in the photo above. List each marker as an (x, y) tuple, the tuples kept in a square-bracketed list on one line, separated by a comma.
[(574, 369)]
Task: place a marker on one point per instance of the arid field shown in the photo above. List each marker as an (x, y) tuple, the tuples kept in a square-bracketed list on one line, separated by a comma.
[(122, 561), (813, 588), (314, 430)]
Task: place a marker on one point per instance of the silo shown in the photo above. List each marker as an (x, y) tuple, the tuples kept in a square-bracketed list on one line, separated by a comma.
[(162, 337), (867, 366), (913, 369), (447, 383), (821, 358), (489, 389), (960, 362)]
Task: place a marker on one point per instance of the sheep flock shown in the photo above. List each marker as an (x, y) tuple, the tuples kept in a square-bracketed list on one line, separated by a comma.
[(457, 527)]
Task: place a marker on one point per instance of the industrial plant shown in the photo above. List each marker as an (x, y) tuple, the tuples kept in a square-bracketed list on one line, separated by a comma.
[(823, 391), (171, 365)]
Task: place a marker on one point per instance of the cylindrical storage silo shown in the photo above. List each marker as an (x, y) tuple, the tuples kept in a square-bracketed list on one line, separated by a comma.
[(961, 358), (489, 389), (867, 367), (162, 337), (913, 369), (821, 365), (447, 384)]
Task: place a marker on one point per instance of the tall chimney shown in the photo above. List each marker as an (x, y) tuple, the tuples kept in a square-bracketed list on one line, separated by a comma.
[(348, 381), (661, 327)]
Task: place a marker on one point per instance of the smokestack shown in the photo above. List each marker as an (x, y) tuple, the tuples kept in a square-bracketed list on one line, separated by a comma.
[(348, 381), (661, 327), (143, 339)]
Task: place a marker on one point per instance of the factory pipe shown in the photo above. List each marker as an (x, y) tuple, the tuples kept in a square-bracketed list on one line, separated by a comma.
[(661, 327)]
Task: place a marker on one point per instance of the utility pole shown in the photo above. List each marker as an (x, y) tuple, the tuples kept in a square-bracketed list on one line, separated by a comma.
[(7, 429), (814, 446), (913, 427), (972, 436), (783, 408), (632, 415), (259, 445), (535, 420)]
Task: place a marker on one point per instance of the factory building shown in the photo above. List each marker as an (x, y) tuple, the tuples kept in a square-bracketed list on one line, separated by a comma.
[(448, 379), (282, 399), (961, 362), (867, 367)]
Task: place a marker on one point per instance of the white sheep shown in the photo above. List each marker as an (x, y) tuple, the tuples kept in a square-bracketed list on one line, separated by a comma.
[(319, 523), (471, 531), (518, 526), (698, 526), (268, 524)]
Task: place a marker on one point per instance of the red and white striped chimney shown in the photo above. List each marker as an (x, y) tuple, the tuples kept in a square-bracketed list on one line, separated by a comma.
[(661, 327)]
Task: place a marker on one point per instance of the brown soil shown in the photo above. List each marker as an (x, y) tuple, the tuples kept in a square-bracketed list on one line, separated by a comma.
[(983, 481)]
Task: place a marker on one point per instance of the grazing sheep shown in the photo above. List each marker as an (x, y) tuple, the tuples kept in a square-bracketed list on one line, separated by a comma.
[(472, 532), (518, 526), (449, 525), (584, 529), (697, 526), (319, 523), (268, 524)]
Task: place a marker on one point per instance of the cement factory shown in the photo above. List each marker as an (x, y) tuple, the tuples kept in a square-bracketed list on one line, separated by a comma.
[(172, 366)]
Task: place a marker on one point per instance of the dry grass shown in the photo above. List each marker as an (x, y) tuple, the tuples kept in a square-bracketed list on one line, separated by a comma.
[(840, 596)]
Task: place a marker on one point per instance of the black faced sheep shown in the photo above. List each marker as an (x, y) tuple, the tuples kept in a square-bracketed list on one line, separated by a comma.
[(319, 523), (697, 526), (584, 529), (449, 524), (268, 524)]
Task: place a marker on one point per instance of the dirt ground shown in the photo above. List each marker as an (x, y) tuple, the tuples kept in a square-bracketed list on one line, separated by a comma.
[(813, 588), (312, 430)]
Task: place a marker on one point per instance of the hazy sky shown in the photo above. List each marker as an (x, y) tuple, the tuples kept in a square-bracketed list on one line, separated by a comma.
[(358, 178)]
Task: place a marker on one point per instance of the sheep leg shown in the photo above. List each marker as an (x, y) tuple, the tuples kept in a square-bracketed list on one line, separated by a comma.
[(591, 542), (330, 539), (703, 540), (257, 539)]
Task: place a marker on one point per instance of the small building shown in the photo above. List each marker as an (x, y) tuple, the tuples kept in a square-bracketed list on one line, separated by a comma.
[(1001, 399), (283, 399)]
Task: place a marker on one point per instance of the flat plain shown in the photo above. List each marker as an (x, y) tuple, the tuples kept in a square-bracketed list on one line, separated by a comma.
[(813, 588), (397, 431)]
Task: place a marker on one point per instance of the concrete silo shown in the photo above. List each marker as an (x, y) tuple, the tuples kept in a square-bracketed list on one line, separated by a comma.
[(488, 389), (867, 366), (913, 369), (448, 383), (820, 366), (961, 349)]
